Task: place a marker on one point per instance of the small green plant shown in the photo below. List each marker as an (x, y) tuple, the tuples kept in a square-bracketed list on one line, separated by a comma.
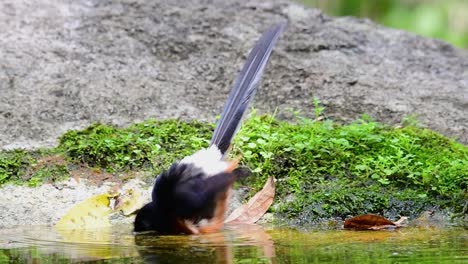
[(318, 110)]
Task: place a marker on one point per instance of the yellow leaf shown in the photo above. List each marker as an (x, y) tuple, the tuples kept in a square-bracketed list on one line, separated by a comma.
[(129, 202), (91, 213)]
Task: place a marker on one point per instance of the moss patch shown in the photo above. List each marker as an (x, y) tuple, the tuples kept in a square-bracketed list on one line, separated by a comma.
[(324, 169), (32, 167), (151, 144), (330, 170)]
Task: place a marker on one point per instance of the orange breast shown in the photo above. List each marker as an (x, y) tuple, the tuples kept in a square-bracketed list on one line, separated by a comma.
[(217, 222)]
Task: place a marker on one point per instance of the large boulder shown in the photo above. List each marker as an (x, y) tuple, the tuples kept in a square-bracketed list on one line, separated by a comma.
[(66, 64)]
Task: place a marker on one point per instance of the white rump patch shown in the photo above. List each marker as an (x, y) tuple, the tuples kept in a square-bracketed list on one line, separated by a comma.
[(209, 160)]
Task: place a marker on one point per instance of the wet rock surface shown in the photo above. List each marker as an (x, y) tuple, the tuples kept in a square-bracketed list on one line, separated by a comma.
[(68, 64)]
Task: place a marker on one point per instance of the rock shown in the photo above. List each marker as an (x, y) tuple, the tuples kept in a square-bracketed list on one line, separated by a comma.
[(68, 64), (43, 205)]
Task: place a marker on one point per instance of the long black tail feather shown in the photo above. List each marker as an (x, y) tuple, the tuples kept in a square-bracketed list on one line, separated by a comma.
[(244, 89)]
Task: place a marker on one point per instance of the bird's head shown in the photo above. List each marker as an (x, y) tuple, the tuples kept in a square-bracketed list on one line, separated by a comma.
[(146, 218)]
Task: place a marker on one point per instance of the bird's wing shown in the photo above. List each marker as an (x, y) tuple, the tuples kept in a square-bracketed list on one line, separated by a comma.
[(244, 89), (193, 196)]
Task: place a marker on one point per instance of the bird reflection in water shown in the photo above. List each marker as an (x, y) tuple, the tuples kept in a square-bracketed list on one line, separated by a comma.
[(235, 242)]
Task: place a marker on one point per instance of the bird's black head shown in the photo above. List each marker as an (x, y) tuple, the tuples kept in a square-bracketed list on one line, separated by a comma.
[(158, 214), (146, 218), (152, 218)]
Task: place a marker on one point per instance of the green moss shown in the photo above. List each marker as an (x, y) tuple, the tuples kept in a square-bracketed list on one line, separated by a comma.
[(48, 173), (324, 169), (13, 164), (151, 143), (32, 167), (327, 169)]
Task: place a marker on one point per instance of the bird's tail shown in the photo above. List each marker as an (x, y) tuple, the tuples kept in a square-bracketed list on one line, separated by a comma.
[(244, 89)]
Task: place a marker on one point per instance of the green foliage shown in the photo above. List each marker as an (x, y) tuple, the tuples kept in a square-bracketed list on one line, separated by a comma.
[(437, 19), (3, 256)]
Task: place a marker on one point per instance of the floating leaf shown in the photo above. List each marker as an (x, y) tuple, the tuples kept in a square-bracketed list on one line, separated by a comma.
[(256, 207), (91, 213), (372, 222)]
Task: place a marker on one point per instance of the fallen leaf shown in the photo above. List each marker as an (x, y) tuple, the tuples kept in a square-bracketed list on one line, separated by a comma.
[(372, 222), (401, 222), (129, 202), (256, 207), (115, 190), (90, 213)]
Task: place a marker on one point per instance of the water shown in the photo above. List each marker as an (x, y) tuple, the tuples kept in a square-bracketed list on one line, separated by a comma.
[(236, 244)]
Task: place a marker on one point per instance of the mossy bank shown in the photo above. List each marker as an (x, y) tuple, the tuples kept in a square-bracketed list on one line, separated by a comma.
[(324, 170)]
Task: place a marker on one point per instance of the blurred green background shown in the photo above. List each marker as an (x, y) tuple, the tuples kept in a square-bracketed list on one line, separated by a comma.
[(446, 20)]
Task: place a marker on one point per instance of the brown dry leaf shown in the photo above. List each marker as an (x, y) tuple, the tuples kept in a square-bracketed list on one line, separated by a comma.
[(256, 207), (372, 222)]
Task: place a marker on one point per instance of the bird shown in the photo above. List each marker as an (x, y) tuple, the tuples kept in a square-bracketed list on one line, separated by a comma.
[(191, 197)]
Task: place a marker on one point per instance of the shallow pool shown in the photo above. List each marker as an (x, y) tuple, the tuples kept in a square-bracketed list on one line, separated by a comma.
[(236, 244)]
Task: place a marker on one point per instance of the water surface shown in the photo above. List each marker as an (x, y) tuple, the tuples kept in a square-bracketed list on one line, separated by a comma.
[(236, 244)]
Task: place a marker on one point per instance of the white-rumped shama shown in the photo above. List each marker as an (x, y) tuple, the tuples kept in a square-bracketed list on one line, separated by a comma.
[(191, 196)]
